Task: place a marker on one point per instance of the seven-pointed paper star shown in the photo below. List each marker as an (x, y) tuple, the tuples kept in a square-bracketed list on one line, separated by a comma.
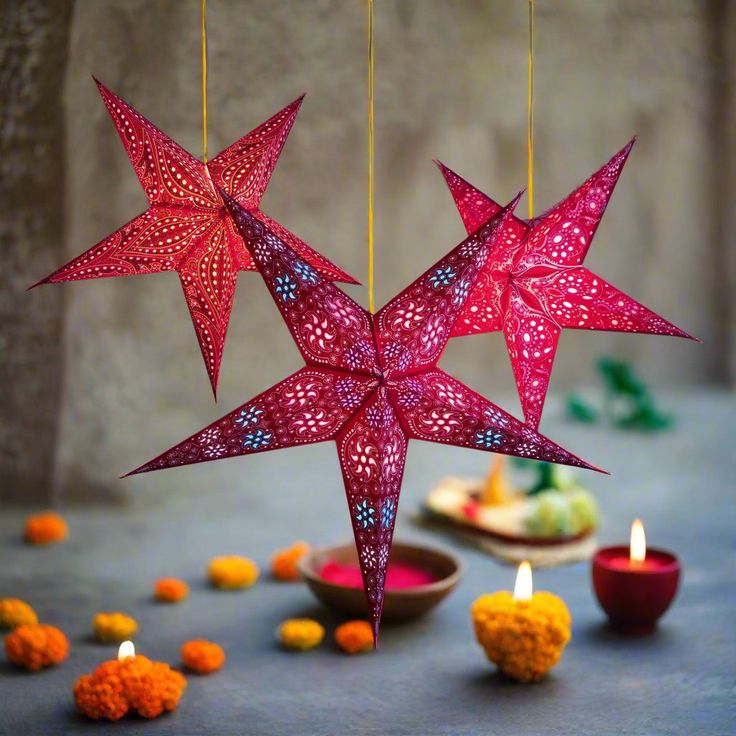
[(187, 228), (534, 283), (371, 383)]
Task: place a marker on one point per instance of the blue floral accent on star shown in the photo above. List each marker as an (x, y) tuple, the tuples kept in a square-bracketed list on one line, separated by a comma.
[(388, 513), (286, 287), (488, 438), (442, 276), (257, 440), (249, 416), (305, 272), (365, 514)]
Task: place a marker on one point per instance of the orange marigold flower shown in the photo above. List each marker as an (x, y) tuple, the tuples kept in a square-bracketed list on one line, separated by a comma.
[(354, 637), (524, 638), (170, 590), (202, 656), (133, 684), (15, 612), (232, 572), (46, 528), (114, 627), (300, 633), (34, 646), (284, 562)]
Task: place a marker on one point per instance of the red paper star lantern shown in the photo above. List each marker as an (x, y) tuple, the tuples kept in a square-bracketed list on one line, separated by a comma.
[(187, 228), (371, 384), (534, 284)]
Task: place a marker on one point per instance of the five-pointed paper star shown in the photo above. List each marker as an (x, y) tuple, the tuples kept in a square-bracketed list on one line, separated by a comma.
[(371, 383), (187, 228), (534, 283)]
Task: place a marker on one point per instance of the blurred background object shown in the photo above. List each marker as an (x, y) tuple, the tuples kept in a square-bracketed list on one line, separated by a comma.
[(98, 376)]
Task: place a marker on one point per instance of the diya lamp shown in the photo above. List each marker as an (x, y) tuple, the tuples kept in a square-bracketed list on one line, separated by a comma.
[(635, 585), (129, 684), (523, 633)]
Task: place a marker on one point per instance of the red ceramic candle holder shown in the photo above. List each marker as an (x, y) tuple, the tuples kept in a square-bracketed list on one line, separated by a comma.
[(634, 595)]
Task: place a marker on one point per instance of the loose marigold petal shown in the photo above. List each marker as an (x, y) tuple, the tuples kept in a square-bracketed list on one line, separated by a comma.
[(114, 627), (354, 637), (35, 646), (46, 528), (284, 562), (170, 590), (300, 633), (202, 656), (232, 572), (15, 612)]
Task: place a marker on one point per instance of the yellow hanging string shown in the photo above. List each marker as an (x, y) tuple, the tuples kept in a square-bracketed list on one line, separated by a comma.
[(371, 304), (204, 80), (530, 113)]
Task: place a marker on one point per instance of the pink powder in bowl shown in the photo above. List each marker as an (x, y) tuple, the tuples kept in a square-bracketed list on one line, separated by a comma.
[(400, 575)]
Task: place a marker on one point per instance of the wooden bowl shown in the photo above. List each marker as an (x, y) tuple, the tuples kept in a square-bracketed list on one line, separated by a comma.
[(398, 604)]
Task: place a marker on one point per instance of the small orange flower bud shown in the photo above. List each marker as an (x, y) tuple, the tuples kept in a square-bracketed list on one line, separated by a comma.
[(15, 612), (114, 627), (202, 656), (354, 637), (170, 590), (284, 562), (46, 528), (34, 646), (300, 633), (232, 572)]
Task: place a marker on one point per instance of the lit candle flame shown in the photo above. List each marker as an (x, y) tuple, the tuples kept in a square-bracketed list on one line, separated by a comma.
[(638, 547), (523, 584), (127, 649)]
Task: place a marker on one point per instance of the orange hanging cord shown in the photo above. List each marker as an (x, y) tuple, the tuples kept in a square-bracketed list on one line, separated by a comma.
[(530, 113), (371, 295), (204, 80)]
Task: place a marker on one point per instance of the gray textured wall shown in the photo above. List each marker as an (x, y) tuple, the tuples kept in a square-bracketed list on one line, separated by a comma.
[(32, 56), (451, 78)]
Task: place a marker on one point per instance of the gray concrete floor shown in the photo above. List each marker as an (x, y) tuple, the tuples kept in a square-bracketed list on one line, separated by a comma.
[(429, 677)]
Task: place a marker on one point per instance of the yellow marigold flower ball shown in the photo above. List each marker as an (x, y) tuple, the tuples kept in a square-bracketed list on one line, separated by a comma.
[(170, 590), (300, 634), (134, 684), (114, 627), (232, 572), (15, 612), (46, 528), (524, 639), (284, 562), (34, 646), (354, 637), (202, 656)]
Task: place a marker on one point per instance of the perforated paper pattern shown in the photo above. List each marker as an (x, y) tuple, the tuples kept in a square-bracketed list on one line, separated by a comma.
[(371, 384), (534, 285), (187, 228)]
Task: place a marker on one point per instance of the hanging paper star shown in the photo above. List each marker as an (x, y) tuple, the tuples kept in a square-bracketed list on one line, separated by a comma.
[(371, 383), (187, 228), (534, 284)]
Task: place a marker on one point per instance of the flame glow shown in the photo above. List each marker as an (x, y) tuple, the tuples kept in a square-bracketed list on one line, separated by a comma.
[(523, 584), (638, 546), (127, 649)]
